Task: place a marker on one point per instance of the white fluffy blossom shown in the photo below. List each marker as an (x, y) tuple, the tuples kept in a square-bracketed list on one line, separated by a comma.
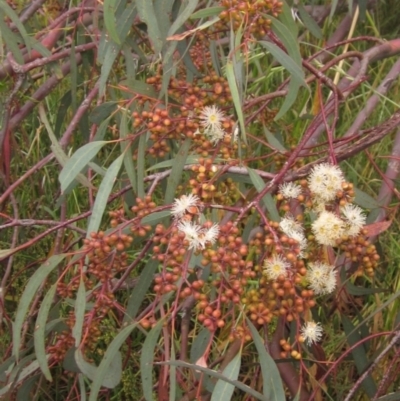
[(311, 332), (328, 228), (288, 224), (197, 236), (183, 205), (354, 219), (321, 278), (290, 190), (211, 119), (192, 233), (324, 181), (275, 267)]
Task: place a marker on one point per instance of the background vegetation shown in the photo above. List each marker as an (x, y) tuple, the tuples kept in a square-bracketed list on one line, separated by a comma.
[(103, 126)]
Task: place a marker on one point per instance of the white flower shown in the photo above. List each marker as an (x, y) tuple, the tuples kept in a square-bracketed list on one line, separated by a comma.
[(276, 267), (321, 278), (215, 135), (197, 236), (354, 218), (290, 190), (328, 228), (183, 205), (211, 234), (192, 233), (211, 118), (288, 224), (312, 332), (301, 240), (324, 181)]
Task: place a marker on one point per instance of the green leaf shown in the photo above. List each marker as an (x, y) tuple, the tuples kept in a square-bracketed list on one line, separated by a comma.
[(109, 7), (38, 277), (288, 40), (218, 376), (207, 12), (39, 336), (290, 98), (183, 17), (148, 15), (100, 113), (80, 306), (287, 19), (114, 374), (223, 390), (127, 151), (272, 382), (78, 162), (15, 19), (269, 203), (11, 40), (139, 292), (199, 345), (140, 165), (192, 159), (365, 200), (230, 76), (354, 290), (359, 355), (105, 189), (104, 368), (273, 141), (309, 22), (140, 87), (176, 172), (286, 61), (154, 218), (147, 360)]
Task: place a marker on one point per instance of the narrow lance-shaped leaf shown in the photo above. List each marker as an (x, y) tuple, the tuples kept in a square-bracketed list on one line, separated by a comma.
[(109, 19), (177, 169), (80, 306), (272, 382), (30, 291), (147, 360), (109, 356), (235, 96), (223, 390), (78, 162), (39, 336), (103, 194)]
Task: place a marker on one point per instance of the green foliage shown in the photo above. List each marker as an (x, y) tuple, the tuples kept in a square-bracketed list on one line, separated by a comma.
[(147, 211)]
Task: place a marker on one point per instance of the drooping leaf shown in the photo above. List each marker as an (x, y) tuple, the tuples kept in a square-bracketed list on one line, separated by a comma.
[(78, 162), (269, 203), (286, 61), (127, 151), (147, 360), (80, 307), (199, 345), (140, 290), (38, 277), (140, 165), (109, 7), (309, 22), (207, 12), (103, 111), (272, 382), (114, 374), (176, 172), (105, 189), (154, 218), (359, 355), (223, 390), (39, 336), (218, 376), (148, 15), (233, 86)]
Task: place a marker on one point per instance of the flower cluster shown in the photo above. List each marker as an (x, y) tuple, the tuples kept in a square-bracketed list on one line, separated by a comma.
[(197, 236), (321, 278)]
